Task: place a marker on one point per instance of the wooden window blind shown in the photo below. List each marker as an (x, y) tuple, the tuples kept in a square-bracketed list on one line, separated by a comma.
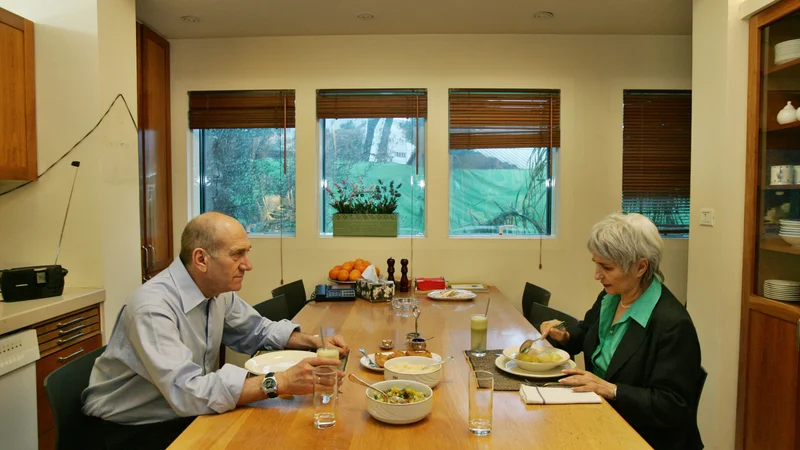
[(372, 103), (481, 119), (656, 157), (241, 109)]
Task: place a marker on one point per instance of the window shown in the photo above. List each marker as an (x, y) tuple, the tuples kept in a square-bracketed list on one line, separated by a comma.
[(371, 135), (656, 157), (501, 161), (247, 156)]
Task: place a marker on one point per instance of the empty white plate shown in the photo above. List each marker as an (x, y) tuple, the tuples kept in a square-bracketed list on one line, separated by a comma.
[(276, 361)]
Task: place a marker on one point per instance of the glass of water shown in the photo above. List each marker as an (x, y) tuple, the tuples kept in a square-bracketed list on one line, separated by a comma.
[(326, 390), (481, 389)]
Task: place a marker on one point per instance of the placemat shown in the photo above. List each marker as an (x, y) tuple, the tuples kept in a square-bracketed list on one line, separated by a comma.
[(503, 381)]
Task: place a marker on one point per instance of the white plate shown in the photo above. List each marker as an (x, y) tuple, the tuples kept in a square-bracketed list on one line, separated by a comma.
[(365, 363), (510, 366), (276, 361), (459, 294)]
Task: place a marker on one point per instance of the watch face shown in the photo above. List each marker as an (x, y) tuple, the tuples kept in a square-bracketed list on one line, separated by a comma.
[(270, 385)]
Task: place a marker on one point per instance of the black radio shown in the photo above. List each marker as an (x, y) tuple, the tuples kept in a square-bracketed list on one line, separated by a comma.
[(28, 283)]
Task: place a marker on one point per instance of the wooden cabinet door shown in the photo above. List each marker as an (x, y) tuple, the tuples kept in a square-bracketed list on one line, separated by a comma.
[(772, 399), (17, 99), (154, 139)]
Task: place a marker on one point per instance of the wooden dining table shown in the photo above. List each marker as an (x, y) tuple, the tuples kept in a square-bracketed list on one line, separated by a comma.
[(287, 422)]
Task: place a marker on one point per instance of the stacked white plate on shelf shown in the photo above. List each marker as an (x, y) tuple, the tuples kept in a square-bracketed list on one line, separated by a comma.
[(790, 232), (787, 51), (784, 290)]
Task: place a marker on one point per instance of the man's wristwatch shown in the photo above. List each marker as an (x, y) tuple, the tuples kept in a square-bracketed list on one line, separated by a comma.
[(270, 385)]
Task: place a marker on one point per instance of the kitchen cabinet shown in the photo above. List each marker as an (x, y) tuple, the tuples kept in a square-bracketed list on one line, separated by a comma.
[(768, 404), (154, 152), (17, 99)]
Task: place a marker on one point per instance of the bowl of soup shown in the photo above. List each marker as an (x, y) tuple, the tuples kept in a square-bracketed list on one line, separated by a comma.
[(410, 402), (537, 360), (413, 368)]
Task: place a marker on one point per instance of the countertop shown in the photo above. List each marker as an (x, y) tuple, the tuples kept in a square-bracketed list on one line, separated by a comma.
[(18, 315)]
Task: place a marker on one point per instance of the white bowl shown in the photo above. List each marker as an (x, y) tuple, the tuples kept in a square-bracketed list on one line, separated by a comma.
[(393, 370), (399, 414), (794, 241), (511, 353)]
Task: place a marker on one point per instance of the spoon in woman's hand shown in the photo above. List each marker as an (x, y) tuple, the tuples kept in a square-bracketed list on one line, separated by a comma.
[(529, 342)]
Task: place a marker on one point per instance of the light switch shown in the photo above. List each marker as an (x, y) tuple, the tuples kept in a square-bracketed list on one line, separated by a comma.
[(707, 217)]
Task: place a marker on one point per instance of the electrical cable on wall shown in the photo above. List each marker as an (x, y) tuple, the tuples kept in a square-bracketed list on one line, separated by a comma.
[(130, 114)]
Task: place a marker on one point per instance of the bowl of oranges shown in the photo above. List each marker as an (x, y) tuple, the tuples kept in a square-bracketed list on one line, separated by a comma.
[(349, 271)]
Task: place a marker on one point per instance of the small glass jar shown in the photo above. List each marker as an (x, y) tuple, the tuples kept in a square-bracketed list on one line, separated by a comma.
[(404, 303), (418, 344), (410, 337), (387, 344)]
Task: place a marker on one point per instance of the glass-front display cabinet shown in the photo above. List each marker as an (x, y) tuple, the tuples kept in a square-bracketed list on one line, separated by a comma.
[(768, 414)]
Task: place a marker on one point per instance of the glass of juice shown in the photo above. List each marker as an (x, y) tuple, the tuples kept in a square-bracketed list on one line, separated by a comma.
[(478, 325)]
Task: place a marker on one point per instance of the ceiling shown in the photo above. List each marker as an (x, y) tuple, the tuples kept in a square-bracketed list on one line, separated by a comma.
[(247, 18)]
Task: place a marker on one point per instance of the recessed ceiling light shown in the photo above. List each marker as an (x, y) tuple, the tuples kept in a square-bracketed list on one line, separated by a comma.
[(366, 16), (543, 15), (190, 19)]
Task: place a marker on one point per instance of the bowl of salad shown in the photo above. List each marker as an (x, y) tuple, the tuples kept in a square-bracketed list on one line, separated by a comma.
[(409, 401)]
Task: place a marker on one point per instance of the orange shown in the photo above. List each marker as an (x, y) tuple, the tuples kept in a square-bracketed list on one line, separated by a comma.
[(334, 272), (358, 261), (377, 271), (355, 274), (344, 275), (348, 266), (360, 267), (366, 263)]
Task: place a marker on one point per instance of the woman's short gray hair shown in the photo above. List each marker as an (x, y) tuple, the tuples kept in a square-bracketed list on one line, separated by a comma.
[(627, 238)]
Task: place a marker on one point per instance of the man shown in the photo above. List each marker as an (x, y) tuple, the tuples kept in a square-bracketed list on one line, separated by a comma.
[(159, 370)]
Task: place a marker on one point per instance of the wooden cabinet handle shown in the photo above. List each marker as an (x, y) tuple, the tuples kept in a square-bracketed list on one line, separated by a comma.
[(63, 332), (62, 325), (152, 265), (797, 341), (63, 359), (71, 338)]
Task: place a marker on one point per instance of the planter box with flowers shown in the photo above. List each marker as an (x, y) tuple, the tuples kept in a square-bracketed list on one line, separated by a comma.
[(364, 210)]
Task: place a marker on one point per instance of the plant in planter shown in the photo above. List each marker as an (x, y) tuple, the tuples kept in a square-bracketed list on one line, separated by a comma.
[(364, 210)]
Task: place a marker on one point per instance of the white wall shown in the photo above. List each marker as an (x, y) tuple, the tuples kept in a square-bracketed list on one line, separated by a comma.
[(591, 72), (85, 54), (719, 86)]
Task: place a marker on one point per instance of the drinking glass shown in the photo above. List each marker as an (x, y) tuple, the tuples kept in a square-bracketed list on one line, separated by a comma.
[(481, 389), (478, 325), (326, 390)]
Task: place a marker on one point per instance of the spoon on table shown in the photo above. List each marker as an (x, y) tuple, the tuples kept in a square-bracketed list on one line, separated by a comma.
[(371, 362), (439, 363), (389, 399), (529, 342)]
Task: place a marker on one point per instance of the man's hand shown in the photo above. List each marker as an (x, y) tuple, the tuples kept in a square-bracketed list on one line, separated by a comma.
[(302, 341), (299, 379), (338, 343)]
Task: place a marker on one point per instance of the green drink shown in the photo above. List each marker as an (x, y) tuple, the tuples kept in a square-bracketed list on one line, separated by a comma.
[(478, 324)]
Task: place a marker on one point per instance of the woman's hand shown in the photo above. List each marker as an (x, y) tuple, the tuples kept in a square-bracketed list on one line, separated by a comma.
[(549, 329), (588, 382)]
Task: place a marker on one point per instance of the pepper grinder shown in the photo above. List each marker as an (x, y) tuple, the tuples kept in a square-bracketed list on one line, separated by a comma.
[(404, 278), (390, 270)]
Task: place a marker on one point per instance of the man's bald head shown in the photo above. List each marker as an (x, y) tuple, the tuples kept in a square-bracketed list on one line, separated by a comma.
[(204, 231)]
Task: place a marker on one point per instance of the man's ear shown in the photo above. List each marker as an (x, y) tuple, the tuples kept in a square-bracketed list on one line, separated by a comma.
[(200, 259)]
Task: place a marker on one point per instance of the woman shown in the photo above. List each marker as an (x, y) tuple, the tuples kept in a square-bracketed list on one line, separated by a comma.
[(640, 346)]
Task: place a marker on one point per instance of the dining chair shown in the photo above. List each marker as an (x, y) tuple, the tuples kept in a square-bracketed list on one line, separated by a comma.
[(541, 313), (534, 294), (64, 387), (274, 309), (295, 294)]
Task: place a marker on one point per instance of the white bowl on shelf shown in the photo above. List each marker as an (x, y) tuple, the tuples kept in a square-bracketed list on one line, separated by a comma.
[(794, 241)]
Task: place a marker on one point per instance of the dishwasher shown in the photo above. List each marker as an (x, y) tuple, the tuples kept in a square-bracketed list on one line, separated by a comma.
[(18, 355)]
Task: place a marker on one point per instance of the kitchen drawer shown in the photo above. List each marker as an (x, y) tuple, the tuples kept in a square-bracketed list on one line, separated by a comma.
[(47, 365), (67, 320), (69, 331), (56, 345)]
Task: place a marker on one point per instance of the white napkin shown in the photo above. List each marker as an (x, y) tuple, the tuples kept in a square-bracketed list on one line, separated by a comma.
[(533, 395), (370, 274)]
